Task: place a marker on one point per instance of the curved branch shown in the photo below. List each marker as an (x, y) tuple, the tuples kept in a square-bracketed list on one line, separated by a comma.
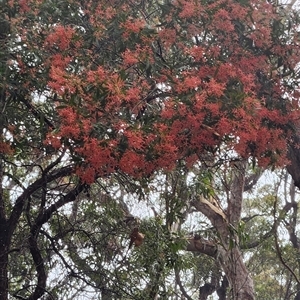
[(70, 197), (39, 266), (254, 244), (214, 213), (178, 281), (33, 245), (52, 241), (282, 259), (272, 231), (18, 207)]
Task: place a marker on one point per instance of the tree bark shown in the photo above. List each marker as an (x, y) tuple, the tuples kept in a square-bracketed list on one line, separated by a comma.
[(240, 281), (227, 250), (293, 155), (3, 263), (4, 33), (231, 259)]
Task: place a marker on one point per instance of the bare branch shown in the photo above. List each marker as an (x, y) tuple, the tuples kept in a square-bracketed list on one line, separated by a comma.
[(278, 251), (33, 245)]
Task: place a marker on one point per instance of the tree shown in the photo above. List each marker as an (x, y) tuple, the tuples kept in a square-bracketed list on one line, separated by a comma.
[(121, 94)]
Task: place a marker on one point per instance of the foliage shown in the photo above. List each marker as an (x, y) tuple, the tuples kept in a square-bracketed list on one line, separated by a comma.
[(130, 79)]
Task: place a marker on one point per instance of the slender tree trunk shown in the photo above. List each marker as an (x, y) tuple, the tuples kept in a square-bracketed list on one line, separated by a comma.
[(3, 268), (4, 242)]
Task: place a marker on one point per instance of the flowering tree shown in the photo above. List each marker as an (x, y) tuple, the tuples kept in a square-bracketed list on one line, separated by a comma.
[(93, 89)]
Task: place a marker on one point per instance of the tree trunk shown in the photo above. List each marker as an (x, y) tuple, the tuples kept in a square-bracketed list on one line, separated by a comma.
[(240, 281), (226, 222), (3, 264), (4, 241)]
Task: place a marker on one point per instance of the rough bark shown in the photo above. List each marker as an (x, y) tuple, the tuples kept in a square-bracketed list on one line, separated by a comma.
[(235, 199)]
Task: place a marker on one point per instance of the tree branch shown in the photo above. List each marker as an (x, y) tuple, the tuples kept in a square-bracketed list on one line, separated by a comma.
[(198, 244), (214, 213), (33, 245), (294, 156), (39, 266), (178, 281), (251, 181), (278, 251), (37, 114), (208, 288), (71, 196), (18, 207)]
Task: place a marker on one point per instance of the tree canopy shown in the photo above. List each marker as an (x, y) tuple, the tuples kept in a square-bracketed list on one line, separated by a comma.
[(180, 105)]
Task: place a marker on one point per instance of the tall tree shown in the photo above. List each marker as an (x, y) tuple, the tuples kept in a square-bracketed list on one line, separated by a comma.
[(119, 91)]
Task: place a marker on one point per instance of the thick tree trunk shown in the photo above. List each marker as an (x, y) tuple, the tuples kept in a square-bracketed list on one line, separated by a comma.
[(240, 281), (227, 250)]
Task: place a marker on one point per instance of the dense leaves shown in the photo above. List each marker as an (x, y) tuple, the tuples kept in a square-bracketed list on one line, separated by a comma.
[(139, 86)]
